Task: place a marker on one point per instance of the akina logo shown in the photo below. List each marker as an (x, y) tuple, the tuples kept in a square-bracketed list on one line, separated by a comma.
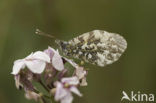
[(137, 96)]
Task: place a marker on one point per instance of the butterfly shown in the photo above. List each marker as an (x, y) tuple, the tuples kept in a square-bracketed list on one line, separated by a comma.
[(97, 47)]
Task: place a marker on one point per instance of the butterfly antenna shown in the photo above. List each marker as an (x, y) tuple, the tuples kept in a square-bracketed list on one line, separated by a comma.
[(39, 32)]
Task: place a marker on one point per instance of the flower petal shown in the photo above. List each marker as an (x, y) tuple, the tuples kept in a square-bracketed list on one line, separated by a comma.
[(50, 52), (18, 65), (57, 62), (83, 82), (75, 90), (67, 99), (36, 66), (80, 72), (41, 56), (60, 91), (18, 84), (71, 62), (71, 80)]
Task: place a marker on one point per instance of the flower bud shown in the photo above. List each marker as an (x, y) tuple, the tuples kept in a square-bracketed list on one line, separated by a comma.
[(32, 95)]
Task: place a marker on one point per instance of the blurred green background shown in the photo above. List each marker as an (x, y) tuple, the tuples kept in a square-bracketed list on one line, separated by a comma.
[(65, 19)]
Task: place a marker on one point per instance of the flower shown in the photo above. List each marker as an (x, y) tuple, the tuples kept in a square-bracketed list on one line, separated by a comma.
[(55, 58), (48, 69), (35, 62), (65, 88), (56, 64), (79, 72)]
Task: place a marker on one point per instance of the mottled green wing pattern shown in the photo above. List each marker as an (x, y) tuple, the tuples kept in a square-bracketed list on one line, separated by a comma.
[(96, 47)]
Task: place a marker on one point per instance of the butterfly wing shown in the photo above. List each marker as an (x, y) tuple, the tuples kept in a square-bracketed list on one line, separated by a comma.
[(98, 47)]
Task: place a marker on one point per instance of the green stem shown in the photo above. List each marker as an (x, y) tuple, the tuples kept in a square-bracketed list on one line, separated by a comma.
[(46, 96), (45, 87), (43, 100)]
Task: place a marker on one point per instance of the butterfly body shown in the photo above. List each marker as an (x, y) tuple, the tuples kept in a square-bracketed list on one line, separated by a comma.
[(96, 47)]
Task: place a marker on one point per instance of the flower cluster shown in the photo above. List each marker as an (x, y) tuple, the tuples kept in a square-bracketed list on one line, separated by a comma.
[(49, 69)]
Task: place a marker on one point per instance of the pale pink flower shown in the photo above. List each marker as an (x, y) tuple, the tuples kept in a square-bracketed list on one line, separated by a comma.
[(35, 62), (65, 88), (54, 78), (79, 72)]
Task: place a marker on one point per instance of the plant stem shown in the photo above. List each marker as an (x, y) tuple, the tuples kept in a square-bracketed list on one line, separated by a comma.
[(45, 87), (43, 100), (46, 96)]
